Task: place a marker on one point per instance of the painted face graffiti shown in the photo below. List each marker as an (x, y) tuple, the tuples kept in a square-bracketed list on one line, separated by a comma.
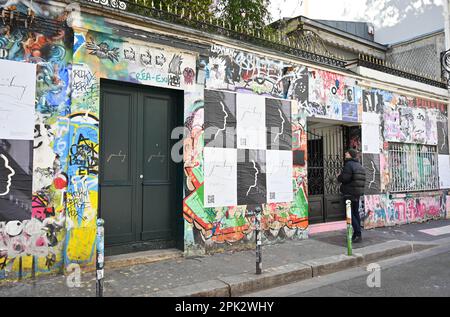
[(189, 76)]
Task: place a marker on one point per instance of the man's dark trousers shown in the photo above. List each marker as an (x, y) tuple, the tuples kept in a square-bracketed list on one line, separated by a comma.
[(356, 218)]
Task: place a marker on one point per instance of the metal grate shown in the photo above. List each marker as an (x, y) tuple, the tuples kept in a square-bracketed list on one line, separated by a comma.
[(325, 159), (413, 167)]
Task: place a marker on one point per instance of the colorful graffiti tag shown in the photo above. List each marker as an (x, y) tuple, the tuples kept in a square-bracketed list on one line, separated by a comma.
[(381, 211)]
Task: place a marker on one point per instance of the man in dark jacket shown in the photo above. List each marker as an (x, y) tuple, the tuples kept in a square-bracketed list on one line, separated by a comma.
[(353, 179)]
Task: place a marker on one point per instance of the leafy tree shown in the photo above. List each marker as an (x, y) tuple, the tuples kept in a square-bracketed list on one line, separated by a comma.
[(244, 13), (195, 7)]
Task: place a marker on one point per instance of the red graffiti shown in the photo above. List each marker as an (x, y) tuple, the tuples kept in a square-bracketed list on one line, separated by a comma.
[(40, 208)]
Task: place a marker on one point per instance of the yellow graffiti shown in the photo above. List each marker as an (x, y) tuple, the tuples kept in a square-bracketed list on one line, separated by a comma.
[(80, 246)]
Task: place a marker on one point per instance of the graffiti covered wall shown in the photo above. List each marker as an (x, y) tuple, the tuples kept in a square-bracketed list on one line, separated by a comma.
[(390, 118), (236, 75), (382, 211), (36, 133), (50, 168)]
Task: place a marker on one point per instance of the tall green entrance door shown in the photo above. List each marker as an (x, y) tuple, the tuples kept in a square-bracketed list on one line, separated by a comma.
[(140, 196)]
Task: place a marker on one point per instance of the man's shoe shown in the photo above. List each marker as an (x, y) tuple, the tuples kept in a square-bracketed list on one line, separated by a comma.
[(357, 239)]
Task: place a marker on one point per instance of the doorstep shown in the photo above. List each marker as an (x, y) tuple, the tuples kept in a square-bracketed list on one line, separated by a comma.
[(327, 227), (146, 257)]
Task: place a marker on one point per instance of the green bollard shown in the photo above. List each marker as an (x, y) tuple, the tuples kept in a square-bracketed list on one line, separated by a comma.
[(349, 227)]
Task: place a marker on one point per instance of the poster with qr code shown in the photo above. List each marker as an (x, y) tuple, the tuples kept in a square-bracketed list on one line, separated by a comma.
[(248, 150), (220, 177)]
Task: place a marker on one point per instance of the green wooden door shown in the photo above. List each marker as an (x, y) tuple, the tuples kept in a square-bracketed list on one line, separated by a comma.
[(140, 198)]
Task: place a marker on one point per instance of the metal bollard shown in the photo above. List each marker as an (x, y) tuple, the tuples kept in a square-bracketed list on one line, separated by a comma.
[(349, 227), (258, 241), (100, 258)]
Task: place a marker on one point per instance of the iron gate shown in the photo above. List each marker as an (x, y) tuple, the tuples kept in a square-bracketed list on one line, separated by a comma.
[(325, 162)]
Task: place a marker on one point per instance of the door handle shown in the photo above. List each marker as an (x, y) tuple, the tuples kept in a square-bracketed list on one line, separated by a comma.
[(141, 176)]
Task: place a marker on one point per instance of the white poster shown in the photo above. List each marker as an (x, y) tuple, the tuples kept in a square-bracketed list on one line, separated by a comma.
[(17, 100), (279, 176), (371, 118), (370, 138), (444, 171), (220, 177), (251, 122)]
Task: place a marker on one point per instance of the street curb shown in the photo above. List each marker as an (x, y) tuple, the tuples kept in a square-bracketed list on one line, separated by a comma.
[(127, 260), (333, 264), (212, 288), (247, 282), (236, 285), (385, 250)]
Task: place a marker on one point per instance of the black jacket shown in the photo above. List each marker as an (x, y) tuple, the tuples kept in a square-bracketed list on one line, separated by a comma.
[(353, 179)]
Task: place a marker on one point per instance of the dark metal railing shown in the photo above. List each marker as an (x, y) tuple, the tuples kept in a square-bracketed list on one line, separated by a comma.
[(11, 19), (267, 38), (380, 65)]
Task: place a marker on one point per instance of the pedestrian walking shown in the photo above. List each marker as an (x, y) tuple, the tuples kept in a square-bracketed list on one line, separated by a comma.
[(353, 181)]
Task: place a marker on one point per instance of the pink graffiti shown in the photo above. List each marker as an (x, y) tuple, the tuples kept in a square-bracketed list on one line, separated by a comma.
[(381, 212), (40, 208), (400, 211)]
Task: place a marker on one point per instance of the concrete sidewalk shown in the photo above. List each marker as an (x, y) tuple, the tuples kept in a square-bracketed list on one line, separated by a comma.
[(232, 274)]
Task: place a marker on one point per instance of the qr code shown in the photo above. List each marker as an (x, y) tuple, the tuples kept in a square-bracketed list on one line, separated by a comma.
[(272, 195), (243, 142), (211, 199)]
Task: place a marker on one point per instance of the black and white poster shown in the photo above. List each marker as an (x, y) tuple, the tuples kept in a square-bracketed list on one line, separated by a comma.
[(251, 122), (371, 163), (279, 125), (220, 119), (248, 157), (279, 173), (372, 102), (251, 179), (220, 177), (16, 169)]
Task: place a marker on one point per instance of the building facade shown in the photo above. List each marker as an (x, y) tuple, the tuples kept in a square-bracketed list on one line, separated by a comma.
[(93, 94)]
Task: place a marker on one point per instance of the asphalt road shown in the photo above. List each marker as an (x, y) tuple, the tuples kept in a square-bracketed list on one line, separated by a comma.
[(425, 275)]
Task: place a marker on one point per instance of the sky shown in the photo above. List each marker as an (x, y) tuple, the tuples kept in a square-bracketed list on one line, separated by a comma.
[(394, 20)]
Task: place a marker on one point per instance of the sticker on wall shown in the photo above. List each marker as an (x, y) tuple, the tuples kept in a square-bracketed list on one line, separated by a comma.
[(16, 161), (349, 112), (17, 100), (444, 171), (220, 119), (371, 163)]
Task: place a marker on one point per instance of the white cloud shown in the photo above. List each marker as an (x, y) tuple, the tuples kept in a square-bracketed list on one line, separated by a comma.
[(382, 13)]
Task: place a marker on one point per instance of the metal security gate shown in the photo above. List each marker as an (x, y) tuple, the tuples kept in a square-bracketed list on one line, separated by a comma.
[(325, 162)]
